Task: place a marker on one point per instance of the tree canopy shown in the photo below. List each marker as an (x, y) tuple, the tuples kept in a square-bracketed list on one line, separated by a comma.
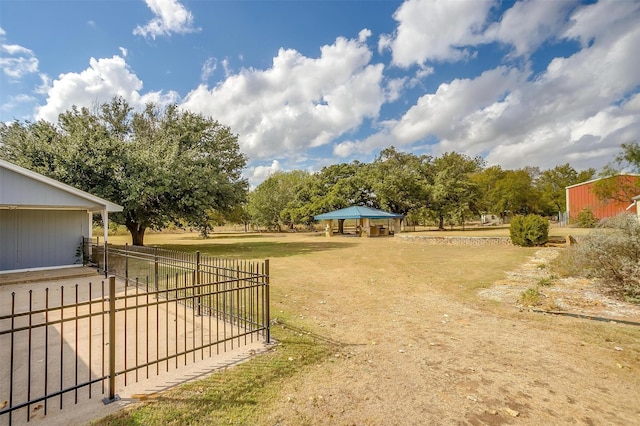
[(162, 165)]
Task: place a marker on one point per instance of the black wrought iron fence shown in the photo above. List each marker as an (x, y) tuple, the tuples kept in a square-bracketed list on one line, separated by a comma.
[(55, 343)]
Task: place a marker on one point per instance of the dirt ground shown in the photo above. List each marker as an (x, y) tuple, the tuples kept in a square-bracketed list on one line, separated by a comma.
[(434, 335), (418, 348)]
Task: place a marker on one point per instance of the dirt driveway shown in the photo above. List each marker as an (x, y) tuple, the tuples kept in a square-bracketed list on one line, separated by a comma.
[(421, 346)]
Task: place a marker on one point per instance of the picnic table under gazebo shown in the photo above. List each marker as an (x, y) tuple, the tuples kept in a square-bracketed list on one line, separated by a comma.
[(363, 217)]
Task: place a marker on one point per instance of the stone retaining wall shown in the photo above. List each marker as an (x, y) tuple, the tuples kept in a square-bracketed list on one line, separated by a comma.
[(455, 241)]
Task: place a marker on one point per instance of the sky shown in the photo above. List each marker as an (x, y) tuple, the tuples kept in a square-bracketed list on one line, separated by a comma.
[(309, 83)]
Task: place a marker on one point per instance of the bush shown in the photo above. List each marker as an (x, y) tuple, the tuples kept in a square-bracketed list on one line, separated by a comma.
[(530, 297), (529, 230), (586, 218), (611, 253)]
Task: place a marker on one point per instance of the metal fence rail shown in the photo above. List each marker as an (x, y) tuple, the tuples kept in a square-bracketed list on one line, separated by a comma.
[(58, 343), (50, 349)]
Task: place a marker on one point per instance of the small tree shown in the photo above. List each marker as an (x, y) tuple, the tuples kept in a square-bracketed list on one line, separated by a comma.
[(529, 230), (586, 218)]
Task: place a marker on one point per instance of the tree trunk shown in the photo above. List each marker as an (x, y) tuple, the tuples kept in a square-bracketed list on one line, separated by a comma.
[(137, 233), (441, 222)]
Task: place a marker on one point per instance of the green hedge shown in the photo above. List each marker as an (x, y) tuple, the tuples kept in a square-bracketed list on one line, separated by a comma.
[(529, 230)]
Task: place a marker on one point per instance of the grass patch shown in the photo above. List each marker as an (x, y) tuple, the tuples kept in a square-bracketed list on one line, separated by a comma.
[(252, 246), (530, 297), (240, 395), (258, 249), (545, 282)]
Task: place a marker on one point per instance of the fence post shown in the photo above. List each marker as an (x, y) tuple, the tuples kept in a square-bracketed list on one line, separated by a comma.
[(155, 268), (98, 249), (198, 282), (112, 342), (126, 265), (106, 259), (266, 297)]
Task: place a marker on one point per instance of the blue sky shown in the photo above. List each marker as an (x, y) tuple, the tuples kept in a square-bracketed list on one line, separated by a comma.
[(311, 83)]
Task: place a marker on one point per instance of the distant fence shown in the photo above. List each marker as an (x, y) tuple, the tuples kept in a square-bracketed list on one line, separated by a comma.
[(54, 343)]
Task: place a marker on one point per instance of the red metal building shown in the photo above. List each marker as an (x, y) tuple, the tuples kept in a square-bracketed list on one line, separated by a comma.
[(582, 196)]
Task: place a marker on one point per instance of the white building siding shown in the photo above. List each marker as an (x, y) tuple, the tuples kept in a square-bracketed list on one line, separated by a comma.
[(40, 238)]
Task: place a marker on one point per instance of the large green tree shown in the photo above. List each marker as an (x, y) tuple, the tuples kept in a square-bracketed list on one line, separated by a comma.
[(515, 193), (552, 184), (334, 187), (162, 165), (486, 182), (270, 202), (398, 181), (452, 192)]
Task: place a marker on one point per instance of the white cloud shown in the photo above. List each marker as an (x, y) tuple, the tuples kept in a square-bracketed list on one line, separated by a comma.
[(16, 100), (170, 17), (20, 62), (299, 102), (123, 51), (394, 88), (529, 23), (605, 19), (363, 35), (2, 32), (437, 113), (104, 79), (14, 49), (580, 109), (260, 173), (376, 141), (226, 67), (208, 68), (435, 30)]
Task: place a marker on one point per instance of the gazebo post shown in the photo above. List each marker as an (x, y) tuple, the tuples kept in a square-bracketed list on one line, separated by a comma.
[(329, 228), (397, 228)]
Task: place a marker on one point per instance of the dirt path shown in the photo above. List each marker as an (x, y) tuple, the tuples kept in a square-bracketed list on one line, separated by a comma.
[(418, 350)]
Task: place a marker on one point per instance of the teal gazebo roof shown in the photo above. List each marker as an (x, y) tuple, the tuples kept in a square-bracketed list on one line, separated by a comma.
[(357, 212)]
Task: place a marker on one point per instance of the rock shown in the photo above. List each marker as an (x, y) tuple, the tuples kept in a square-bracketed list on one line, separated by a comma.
[(512, 413)]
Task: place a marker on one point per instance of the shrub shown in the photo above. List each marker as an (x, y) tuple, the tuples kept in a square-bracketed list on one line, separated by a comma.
[(530, 297), (529, 230), (611, 253), (586, 218)]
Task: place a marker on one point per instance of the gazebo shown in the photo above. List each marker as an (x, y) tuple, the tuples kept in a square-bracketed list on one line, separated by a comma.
[(363, 216)]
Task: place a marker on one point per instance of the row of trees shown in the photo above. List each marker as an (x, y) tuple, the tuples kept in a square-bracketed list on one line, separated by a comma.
[(448, 189), (168, 166)]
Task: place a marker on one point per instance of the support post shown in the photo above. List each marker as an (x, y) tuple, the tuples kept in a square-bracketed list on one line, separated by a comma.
[(198, 281), (266, 297), (126, 265), (112, 343), (155, 270), (105, 225), (329, 228)]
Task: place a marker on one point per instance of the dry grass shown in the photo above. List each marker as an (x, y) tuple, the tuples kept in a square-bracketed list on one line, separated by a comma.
[(405, 340)]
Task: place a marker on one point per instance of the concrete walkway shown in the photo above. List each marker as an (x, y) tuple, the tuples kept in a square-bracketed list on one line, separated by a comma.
[(48, 275)]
